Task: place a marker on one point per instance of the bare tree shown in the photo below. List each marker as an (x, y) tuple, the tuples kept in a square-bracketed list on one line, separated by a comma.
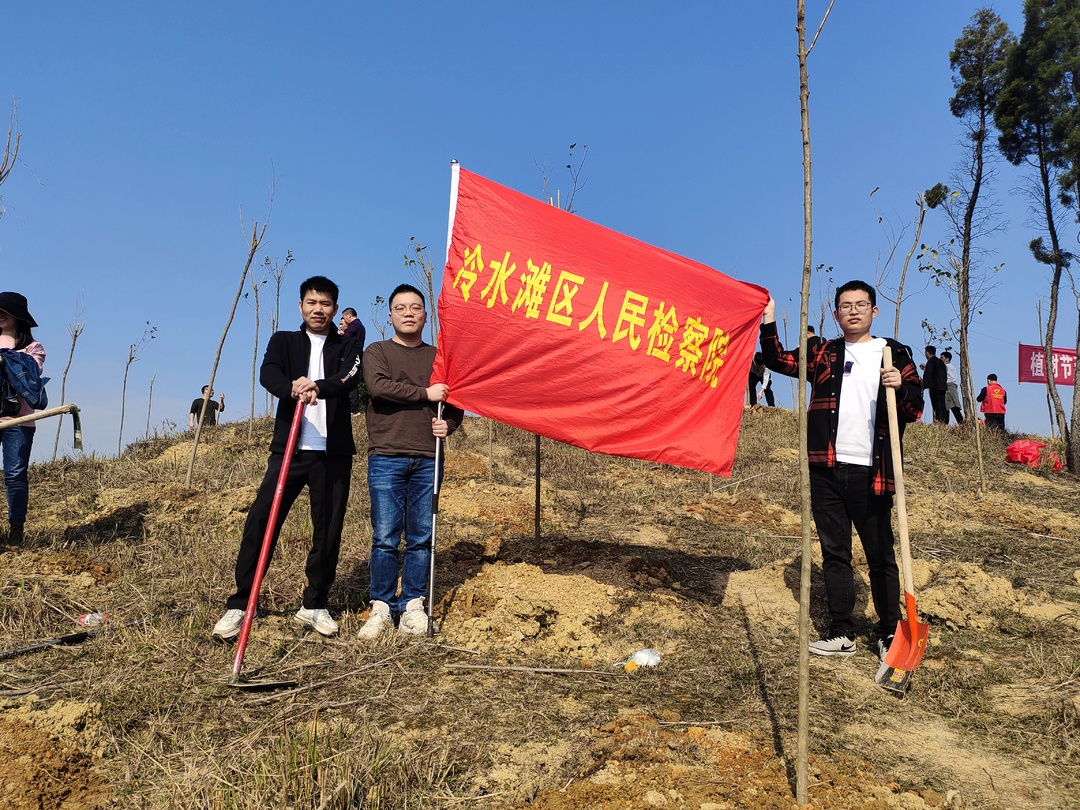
[(1049, 372), (74, 328), (802, 769), (826, 289), (149, 405), (380, 316), (276, 273), (424, 273), (978, 61), (254, 245), (894, 235), (11, 148), (149, 333), (257, 283), (1037, 114), (577, 183)]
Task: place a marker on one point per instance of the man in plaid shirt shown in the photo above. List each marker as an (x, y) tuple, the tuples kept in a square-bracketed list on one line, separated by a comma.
[(847, 442)]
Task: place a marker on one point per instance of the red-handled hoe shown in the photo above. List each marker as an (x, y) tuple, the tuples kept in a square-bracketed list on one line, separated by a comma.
[(909, 643), (260, 569)]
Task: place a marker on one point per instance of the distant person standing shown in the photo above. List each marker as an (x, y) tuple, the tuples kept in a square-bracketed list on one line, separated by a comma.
[(813, 343), (936, 383), (760, 374), (212, 409), (755, 378), (22, 359), (993, 399), (353, 327), (766, 388), (952, 394)]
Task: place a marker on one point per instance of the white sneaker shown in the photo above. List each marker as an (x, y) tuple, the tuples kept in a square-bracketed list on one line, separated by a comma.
[(414, 621), (378, 622), (834, 644), (228, 626), (318, 618)]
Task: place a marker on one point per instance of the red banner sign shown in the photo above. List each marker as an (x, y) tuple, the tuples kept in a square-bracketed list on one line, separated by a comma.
[(565, 328), (1032, 365)]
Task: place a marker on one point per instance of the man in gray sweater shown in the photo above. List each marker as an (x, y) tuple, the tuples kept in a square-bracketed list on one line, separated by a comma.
[(403, 427)]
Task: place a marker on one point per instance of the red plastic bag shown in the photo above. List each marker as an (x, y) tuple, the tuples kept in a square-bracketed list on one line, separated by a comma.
[(1029, 451), (1025, 451)]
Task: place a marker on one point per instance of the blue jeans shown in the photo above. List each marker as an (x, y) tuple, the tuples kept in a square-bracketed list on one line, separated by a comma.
[(17, 442), (400, 489)]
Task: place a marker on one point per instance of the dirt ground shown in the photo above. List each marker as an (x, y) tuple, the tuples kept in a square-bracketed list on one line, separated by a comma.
[(51, 757), (550, 610)]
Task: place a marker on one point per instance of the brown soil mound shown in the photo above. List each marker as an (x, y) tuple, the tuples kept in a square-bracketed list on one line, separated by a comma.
[(522, 608), (51, 758)]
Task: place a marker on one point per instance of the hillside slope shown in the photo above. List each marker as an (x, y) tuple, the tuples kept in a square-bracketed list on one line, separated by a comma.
[(520, 701)]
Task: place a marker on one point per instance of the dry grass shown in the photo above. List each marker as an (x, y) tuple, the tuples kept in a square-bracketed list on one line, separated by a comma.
[(389, 726)]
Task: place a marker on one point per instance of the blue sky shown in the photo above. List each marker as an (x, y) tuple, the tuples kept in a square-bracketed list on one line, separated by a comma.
[(147, 128)]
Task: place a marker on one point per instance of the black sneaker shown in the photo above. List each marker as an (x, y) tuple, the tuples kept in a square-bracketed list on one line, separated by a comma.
[(834, 644)]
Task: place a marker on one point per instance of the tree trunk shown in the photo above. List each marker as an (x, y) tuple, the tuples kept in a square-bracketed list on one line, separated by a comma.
[(254, 363), (123, 399), (256, 241), (907, 261), (802, 762), (1072, 448), (963, 284), (76, 330), (1055, 286), (149, 406)]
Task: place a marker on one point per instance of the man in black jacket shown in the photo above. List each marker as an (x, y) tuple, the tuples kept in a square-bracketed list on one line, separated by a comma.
[(936, 382), (319, 367)]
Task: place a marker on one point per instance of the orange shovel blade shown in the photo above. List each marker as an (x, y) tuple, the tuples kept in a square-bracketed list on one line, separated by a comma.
[(904, 655)]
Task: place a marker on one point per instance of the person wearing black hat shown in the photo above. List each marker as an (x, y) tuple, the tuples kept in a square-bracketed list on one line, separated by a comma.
[(23, 361)]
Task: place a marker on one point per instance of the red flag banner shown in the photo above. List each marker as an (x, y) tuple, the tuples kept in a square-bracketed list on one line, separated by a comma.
[(1032, 365), (565, 328)]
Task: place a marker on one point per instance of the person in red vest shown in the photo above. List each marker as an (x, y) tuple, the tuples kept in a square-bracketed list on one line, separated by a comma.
[(993, 399)]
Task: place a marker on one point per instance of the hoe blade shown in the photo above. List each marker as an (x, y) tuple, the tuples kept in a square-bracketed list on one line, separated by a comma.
[(255, 685)]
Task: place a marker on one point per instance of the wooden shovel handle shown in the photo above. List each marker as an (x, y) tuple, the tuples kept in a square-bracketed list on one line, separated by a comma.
[(901, 501)]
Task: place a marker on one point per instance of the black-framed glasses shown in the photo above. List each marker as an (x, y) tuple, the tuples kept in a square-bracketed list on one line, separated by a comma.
[(858, 306)]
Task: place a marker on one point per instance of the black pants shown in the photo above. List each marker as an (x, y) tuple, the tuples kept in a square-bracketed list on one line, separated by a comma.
[(937, 403), (840, 497), (751, 388), (995, 420), (327, 478)]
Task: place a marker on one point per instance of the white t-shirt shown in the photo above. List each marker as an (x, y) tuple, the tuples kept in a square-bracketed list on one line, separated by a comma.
[(313, 428), (950, 374), (858, 402)]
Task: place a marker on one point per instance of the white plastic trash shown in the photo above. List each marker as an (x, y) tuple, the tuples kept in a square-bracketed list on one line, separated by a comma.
[(647, 657)]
